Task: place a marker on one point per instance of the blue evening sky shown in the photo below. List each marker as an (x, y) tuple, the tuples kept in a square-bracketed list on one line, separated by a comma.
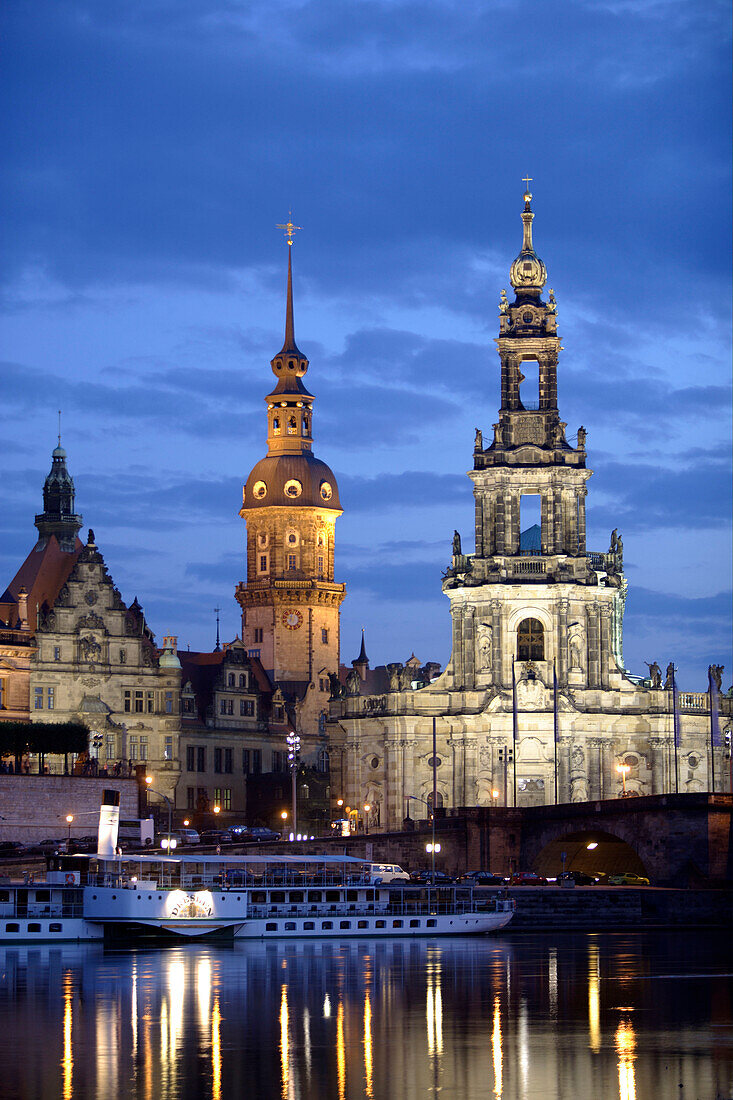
[(151, 147)]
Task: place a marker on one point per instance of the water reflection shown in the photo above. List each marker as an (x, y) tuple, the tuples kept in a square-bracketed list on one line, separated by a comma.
[(613, 1017)]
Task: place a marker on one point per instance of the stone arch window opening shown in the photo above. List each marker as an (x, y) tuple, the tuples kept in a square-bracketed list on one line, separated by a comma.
[(292, 426), (530, 515), (530, 640), (276, 425), (529, 387), (439, 802)]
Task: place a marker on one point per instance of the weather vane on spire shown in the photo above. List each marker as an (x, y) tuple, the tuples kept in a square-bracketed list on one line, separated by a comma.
[(59, 427), (289, 228)]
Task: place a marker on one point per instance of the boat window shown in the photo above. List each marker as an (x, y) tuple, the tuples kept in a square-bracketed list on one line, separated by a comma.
[(352, 895), (34, 928), (55, 927), (314, 895), (414, 924), (396, 923), (277, 895), (270, 927), (43, 895), (309, 926), (296, 895), (327, 924), (345, 924), (332, 895), (369, 895), (363, 924), (12, 928), (259, 897), (432, 924), (380, 924), (4, 895), (289, 925)]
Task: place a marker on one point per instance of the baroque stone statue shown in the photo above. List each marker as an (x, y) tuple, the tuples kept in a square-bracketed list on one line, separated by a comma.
[(655, 674), (456, 545)]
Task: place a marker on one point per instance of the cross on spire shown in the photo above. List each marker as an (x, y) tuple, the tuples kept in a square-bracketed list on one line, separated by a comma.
[(289, 228), (526, 179)]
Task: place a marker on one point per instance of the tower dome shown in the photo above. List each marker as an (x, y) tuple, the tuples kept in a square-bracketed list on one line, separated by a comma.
[(528, 273)]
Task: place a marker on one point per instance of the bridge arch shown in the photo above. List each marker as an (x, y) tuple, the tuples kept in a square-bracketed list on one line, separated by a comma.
[(597, 852)]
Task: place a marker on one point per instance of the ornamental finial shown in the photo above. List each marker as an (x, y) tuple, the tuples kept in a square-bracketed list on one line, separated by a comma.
[(289, 228)]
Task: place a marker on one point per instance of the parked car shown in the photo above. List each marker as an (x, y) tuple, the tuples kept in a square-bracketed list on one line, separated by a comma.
[(527, 878), (215, 836), (260, 833), (387, 872), (238, 832), (50, 845), (627, 878), (482, 878), (10, 848), (187, 836), (425, 878), (580, 878)]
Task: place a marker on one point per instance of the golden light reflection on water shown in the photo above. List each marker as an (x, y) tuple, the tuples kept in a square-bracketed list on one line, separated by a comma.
[(284, 1043), (203, 993), (626, 1049), (368, 1068), (434, 1008), (496, 1049), (340, 1052), (67, 1062), (216, 1049), (594, 997)]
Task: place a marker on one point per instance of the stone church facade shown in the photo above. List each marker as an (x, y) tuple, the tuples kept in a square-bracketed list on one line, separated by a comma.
[(535, 704)]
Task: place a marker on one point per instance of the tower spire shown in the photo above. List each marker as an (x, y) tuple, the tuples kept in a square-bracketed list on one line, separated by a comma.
[(289, 344)]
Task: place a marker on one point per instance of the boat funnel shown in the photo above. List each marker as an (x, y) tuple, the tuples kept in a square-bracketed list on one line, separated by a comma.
[(109, 823)]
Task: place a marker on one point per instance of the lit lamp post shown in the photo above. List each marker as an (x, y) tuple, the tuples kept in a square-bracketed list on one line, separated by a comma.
[(168, 843), (623, 770), (293, 756), (367, 808), (69, 819), (432, 849)]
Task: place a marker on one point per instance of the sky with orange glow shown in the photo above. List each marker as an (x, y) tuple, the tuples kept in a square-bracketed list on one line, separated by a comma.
[(151, 148)]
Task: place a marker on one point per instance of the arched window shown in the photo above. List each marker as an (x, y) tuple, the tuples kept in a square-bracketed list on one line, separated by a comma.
[(231, 679), (438, 801), (276, 426), (242, 680), (530, 641)]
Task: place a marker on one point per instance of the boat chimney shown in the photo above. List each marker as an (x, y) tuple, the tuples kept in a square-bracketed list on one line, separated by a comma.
[(109, 823)]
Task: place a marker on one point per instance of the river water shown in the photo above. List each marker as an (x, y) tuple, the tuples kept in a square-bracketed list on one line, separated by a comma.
[(516, 1017)]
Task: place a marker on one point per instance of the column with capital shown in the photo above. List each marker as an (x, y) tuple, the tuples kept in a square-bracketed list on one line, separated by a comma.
[(496, 642), (593, 657), (559, 541), (457, 651), (470, 765), (594, 766), (514, 540), (607, 772), (563, 766), (469, 648), (605, 643), (581, 520), (500, 524), (394, 793)]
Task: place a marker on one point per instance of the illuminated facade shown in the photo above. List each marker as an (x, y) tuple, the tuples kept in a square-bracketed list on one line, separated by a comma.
[(290, 502), (530, 604)]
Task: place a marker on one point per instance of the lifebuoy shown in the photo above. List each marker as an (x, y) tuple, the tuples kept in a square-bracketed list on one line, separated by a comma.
[(70, 879)]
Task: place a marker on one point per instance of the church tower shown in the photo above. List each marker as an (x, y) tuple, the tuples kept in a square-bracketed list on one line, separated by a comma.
[(531, 592), (290, 503), (58, 517)]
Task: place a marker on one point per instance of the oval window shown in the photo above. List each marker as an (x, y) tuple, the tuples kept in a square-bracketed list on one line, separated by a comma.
[(326, 490), (293, 488), (259, 490), (527, 318)]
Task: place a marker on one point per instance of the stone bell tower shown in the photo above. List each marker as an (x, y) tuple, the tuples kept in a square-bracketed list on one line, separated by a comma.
[(290, 503), (531, 592)]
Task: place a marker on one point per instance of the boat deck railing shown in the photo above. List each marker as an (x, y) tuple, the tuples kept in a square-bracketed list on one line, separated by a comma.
[(41, 910)]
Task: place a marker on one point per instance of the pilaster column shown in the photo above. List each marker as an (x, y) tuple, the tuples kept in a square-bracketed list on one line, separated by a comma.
[(470, 771), (607, 773), (479, 527), (394, 806), (546, 540), (605, 643), (563, 766), (593, 662), (501, 525), (469, 647), (571, 523), (497, 641), (457, 653), (581, 520), (593, 745), (558, 540), (513, 540), (660, 749)]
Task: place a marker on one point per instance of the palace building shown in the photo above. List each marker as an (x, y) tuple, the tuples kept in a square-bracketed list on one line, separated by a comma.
[(290, 503), (535, 704)]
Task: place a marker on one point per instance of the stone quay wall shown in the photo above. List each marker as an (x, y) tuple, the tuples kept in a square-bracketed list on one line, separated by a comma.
[(34, 807)]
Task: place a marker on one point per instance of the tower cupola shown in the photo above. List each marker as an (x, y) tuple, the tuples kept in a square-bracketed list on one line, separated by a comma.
[(57, 517), (528, 274)]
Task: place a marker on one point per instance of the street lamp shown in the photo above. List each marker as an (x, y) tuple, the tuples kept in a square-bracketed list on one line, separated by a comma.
[(623, 769), (432, 849), (217, 809), (367, 808), (293, 756), (149, 780), (69, 819), (428, 848)]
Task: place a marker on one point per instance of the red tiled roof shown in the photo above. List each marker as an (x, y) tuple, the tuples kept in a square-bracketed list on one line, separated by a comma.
[(42, 574)]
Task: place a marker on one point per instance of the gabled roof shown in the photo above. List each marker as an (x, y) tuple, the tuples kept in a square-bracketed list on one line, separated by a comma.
[(42, 574)]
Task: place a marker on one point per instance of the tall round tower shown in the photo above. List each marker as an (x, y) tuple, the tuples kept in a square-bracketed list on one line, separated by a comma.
[(290, 503)]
